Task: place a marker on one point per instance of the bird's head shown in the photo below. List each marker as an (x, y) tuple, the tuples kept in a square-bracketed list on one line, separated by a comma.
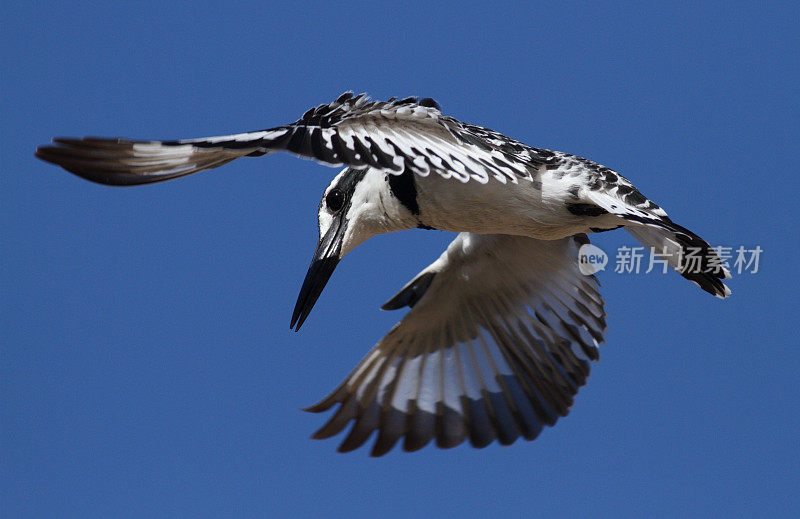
[(356, 206)]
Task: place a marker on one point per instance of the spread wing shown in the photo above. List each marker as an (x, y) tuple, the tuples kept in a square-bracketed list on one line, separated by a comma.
[(393, 136), (496, 345)]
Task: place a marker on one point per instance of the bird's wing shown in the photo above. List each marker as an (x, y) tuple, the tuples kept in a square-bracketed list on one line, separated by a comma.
[(496, 345), (393, 136)]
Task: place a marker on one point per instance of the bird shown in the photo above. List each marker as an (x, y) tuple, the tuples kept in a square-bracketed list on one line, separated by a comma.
[(502, 328)]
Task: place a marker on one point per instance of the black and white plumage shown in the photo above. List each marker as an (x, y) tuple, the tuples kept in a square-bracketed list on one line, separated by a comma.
[(503, 325), (496, 345)]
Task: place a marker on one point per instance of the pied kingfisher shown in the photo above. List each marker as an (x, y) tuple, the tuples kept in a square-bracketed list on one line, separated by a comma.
[(503, 325)]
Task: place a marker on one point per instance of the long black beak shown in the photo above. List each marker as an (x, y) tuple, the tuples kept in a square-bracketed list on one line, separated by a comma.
[(325, 259)]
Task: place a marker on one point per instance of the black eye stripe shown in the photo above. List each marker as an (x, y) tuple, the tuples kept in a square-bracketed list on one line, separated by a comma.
[(334, 200), (338, 196)]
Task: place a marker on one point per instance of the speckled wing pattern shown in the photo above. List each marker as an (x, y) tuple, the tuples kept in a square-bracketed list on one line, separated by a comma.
[(402, 135), (499, 339), (394, 136)]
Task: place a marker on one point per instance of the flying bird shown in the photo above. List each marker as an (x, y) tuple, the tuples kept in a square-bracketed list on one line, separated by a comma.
[(502, 327)]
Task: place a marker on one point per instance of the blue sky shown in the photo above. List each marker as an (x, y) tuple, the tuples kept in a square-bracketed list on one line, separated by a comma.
[(147, 364)]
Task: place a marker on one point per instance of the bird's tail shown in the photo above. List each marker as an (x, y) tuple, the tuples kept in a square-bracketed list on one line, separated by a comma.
[(687, 253)]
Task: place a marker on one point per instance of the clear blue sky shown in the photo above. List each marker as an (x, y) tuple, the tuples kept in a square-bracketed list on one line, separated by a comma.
[(147, 364)]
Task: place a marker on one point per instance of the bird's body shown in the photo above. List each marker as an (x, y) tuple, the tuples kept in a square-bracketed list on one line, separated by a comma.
[(522, 208), (503, 325), (525, 208)]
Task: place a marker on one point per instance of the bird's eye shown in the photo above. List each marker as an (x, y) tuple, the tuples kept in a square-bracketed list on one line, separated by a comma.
[(334, 200)]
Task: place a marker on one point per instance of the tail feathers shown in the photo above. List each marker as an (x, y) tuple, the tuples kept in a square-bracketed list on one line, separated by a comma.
[(687, 253), (121, 162)]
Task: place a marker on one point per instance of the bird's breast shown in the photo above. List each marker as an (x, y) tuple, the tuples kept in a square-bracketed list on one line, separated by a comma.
[(524, 208)]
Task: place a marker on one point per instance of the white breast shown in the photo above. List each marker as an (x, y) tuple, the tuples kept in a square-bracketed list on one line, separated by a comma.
[(499, 208)]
